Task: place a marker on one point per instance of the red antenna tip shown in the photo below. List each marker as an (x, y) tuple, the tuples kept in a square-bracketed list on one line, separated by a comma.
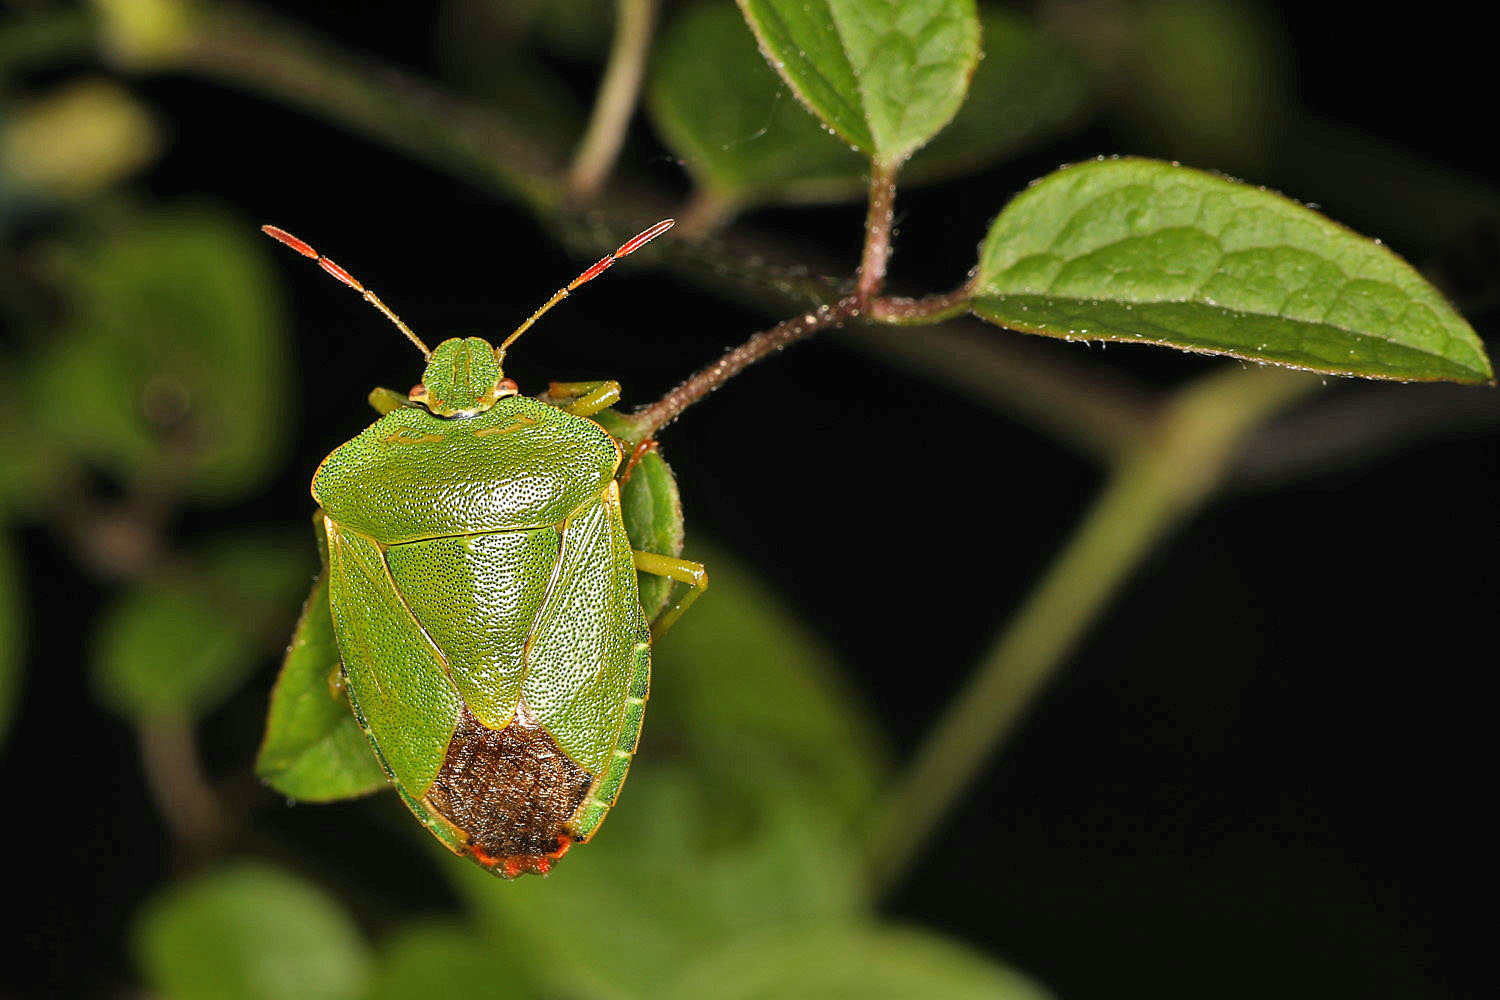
[(282, 235), (636, 242)]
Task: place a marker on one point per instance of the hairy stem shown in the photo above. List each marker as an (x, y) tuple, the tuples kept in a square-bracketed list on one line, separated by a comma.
[(252, 50), (877, 248), (616, 101), (646, 422), (1153, 489)]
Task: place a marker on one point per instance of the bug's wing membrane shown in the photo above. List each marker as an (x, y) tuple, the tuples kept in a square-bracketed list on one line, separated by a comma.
[(584, 665), (478, 596), (398, 680), (313, 749)]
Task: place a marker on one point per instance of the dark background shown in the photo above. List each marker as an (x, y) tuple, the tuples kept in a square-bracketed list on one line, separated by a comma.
[(1261, 774)]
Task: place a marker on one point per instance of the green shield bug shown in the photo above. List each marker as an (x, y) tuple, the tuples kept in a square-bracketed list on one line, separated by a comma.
[(480, 591)]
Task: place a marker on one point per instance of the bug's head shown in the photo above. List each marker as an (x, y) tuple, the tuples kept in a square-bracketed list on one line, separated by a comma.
[(463, 377)]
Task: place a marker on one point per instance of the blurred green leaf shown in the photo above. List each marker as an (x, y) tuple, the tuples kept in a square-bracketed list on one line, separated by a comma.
[(250, 932), (79, 139), (884, 76), (180, 642), (729, 117), (35, 463), (11, 637), (441, 958), (754, 763), (145, 34), (1028, 88), (483, 49), (313, 749), (173, 366), (1141, 250), (687, 860), (742, 676), (727, 114), (848, 961), (1219, 97)]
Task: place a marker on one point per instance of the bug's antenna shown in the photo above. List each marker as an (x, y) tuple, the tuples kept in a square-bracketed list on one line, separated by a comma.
[(348, 279), (630, 246)]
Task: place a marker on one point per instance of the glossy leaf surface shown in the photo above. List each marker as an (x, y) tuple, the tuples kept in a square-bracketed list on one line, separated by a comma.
[(884, 76), (1141, 250)]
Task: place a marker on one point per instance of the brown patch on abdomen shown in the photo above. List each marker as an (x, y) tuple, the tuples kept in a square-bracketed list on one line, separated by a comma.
[(512, 790)]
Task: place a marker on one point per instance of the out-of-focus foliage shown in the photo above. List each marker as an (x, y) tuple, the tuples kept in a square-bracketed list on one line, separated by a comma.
[(745, 140), (77, 140), (1201, 81), (174, 333), (248, 931), (184, 638), (444, 958), (313, 750), (852, 960)]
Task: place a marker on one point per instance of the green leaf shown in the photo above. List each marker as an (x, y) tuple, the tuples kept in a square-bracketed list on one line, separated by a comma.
[(865, 961), (750, 678), (173, 367), (248, 932), (1130, 249), (652, 509), (754, 764), (442, 958), (1028, 88), (885, 76), (184, 639), (11, 639), (729, 118), (1221, 98), (313, 749), (78, 140), (690, 858)]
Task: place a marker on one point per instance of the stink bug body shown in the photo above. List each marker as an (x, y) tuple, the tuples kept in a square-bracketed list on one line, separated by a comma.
[(481, 592)]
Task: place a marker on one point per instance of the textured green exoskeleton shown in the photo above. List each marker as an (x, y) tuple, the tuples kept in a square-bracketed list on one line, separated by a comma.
[(481, 593)]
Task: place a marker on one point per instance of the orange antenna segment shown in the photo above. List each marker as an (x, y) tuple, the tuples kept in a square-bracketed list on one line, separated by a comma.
[(338, 272), (630, 246)]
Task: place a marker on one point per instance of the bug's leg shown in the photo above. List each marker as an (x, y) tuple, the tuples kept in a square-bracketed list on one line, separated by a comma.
[(583, 399), (682, 570), (386, 400)]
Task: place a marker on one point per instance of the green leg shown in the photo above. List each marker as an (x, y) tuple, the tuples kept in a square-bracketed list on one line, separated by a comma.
[(583, 399), (682, 570), (387, 400)]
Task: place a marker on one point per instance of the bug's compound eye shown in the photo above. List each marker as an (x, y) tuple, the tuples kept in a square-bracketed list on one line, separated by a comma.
[(506, 387), (418, 393)]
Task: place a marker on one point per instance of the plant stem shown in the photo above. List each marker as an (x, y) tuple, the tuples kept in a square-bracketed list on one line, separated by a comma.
[(252, 50), (1153, 489), (184, 798), (877, 248), (616, 101), (648, 421)]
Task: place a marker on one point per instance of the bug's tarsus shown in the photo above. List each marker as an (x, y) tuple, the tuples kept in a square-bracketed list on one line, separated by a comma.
[(630, 246), (306, 250)]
